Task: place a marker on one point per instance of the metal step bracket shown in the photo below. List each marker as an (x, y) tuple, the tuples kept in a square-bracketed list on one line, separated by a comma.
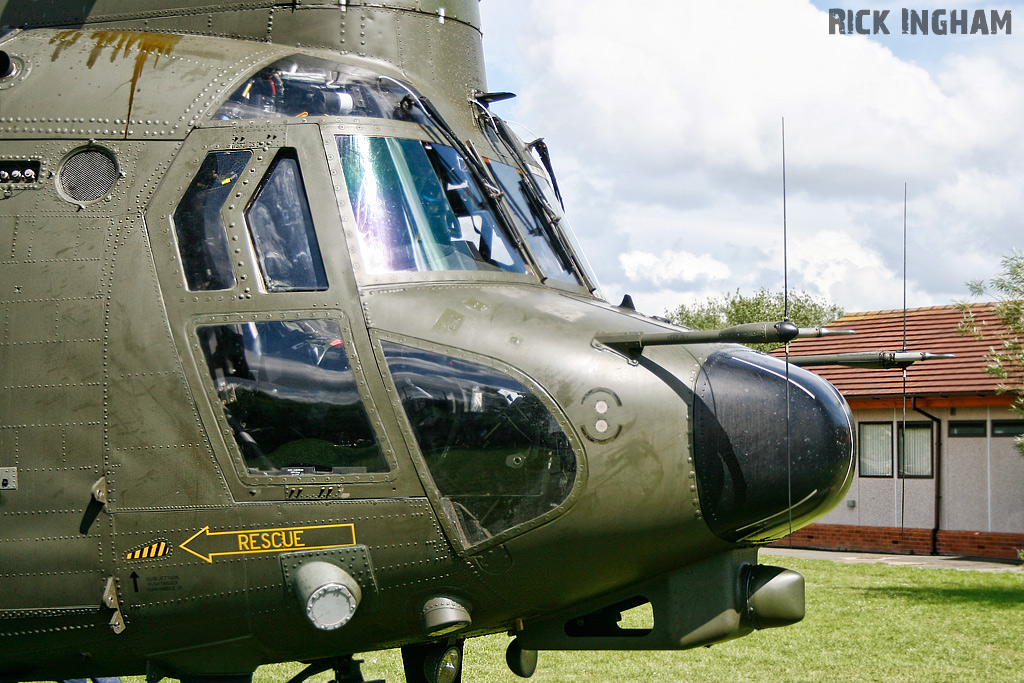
[(110, 600)]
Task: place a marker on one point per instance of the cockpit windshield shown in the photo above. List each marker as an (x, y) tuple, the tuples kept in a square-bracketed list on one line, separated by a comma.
[(417, 209), (301, 85), (421, 206)]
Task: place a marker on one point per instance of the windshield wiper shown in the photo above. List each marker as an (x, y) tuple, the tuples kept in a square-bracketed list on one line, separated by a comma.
[(475, 165), (541, 148), (539, 205)]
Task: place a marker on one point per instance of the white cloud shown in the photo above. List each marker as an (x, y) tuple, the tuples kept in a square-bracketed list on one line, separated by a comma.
[(665, 128), (672, 266), (712, 81), (831, 262)]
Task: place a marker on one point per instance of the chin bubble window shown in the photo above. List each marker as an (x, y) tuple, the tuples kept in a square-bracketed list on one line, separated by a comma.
[(291, 398), (495, 452)]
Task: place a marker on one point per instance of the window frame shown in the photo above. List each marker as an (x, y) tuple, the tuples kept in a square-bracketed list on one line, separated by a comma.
[(860, 449), (917, 425), (406, 131), (896, 441), (256, 237), (402, 196), (978, 426), (188, 253)]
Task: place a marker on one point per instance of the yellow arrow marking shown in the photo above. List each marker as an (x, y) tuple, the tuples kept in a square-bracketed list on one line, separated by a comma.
[(223, 543)]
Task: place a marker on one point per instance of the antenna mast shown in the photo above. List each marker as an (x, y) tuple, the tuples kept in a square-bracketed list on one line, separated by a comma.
[(785, 316), (901, 450), (785, 238)]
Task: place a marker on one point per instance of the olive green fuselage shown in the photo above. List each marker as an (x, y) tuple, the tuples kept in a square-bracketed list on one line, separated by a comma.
[(138, 535)]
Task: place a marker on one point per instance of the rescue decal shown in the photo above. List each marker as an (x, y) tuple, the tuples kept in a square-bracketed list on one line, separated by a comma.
[(206, 544)]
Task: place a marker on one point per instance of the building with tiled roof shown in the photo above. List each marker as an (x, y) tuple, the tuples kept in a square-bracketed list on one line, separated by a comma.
[(937, 469)]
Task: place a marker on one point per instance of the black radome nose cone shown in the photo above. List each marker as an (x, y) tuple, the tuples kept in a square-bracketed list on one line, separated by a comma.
[(773, 446)]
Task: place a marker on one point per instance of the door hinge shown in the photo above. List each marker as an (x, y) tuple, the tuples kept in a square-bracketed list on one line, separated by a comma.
[(110, 600), (99, 491)]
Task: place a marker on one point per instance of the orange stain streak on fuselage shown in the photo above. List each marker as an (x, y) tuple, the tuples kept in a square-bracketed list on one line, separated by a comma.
[(123, 43)]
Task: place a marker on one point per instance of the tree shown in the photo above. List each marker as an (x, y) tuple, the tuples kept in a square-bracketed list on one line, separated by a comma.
[(763, 306), (1007, 361)]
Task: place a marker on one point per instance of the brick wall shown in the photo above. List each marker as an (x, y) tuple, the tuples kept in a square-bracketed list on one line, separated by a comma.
[(904, 541)]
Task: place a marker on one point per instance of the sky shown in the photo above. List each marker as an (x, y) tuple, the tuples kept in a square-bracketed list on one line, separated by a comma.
[(666, 121)]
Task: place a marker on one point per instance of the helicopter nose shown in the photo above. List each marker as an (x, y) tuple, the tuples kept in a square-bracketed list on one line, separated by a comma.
[(773, 446)]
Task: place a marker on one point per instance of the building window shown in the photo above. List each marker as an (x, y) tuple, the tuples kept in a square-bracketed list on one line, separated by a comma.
[(965, 428), (913, 446), (915, 450), (1007, 427), (875, 448)]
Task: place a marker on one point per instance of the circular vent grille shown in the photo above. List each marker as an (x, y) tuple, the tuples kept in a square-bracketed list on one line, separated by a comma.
[(88, 175)]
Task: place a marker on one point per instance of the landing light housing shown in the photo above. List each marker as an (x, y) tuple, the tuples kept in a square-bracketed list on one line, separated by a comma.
[(443, 615), (328, 595), (774, 596)]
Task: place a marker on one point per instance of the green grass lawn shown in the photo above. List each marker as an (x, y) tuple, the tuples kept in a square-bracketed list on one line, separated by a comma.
[(865, 622)]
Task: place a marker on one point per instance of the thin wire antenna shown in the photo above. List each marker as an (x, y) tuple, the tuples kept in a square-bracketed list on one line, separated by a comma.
[(785, 237), (785, 299), (904, 266), (901, 450)]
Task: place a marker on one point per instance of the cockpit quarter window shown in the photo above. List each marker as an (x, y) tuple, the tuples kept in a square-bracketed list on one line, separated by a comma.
[(537, 221), (282, 231), (291, 398), (495, 452), (202, 241), (417, 208)]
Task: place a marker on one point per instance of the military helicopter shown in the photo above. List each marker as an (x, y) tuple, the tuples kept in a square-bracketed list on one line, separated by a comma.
[(300, 359)]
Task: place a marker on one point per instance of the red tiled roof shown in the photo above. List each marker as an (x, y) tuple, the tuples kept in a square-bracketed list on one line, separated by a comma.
[(927, 329)]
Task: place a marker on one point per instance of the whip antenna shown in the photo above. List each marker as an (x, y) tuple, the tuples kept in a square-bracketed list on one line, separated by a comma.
[(901, 451), (785, 316), (904, 266), (785, 238)]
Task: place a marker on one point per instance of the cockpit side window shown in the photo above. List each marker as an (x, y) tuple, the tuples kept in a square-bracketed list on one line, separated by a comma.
[(202, 241), (497, 455), (282, 231), (291, 398), (301, 86), (417, 209), (534, 217)]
